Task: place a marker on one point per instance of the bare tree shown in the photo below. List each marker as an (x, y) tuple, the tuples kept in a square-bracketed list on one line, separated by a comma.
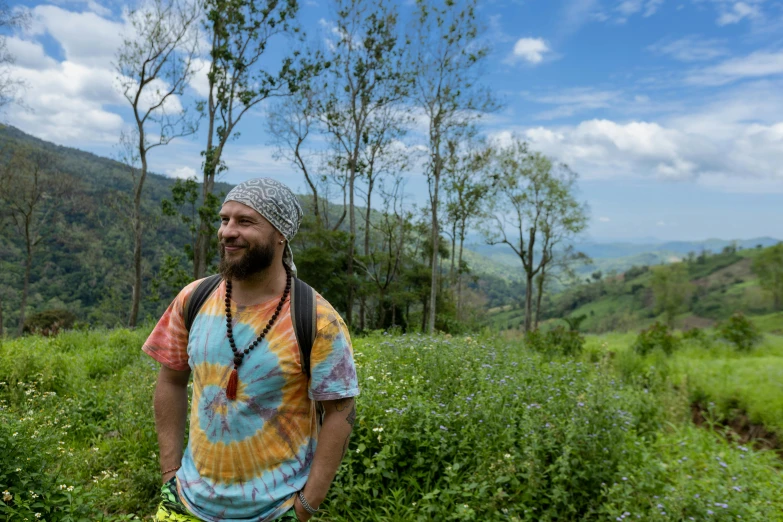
[(154, 65), (291, 122), (368, 75), (240, 33), (10, 87), (32, 194), (533, 202), (447, 90)]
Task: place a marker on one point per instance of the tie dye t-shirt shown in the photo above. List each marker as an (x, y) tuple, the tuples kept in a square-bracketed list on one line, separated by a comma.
[(246, 458)]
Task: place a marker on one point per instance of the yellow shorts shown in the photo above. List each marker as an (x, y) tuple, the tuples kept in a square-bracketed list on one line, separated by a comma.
[(171, 508)]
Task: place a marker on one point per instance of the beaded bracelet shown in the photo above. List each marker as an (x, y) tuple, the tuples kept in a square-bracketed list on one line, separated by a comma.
[(305, 505), (170, 470)]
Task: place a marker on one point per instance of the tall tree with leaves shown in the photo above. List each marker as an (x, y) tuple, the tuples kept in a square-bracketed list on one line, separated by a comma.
[(671, 288), (768, 266), (240, 33), (466, 185), (447, 90), (368, 75), (32, 193), (533, 209), (154, 65)]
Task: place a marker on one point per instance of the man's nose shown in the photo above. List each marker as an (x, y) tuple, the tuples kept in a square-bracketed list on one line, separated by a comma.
[(228, 229)]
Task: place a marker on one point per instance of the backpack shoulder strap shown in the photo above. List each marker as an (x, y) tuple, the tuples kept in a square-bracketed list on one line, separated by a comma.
[(303, 317), (198, 297)]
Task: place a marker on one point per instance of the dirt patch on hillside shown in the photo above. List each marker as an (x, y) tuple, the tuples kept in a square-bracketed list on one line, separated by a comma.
[(741, 270), (694, 321), (740, 430)]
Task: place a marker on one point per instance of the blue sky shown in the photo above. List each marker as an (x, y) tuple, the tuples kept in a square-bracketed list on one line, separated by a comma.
[(671, 111)]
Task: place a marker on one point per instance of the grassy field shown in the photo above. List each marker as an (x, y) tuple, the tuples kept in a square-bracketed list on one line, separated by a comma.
[(448, 428)]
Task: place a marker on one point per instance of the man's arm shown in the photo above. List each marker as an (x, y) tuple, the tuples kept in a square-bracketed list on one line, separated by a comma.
[(171, 410), (333, 438)]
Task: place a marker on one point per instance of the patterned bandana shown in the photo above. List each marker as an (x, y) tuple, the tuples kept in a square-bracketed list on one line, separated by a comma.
[(276, 203)]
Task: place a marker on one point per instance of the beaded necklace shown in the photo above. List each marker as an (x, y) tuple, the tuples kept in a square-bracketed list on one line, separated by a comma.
[(231, 387)]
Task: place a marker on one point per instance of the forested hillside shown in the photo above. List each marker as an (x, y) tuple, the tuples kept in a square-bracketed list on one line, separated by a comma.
[(696, 292), (83, 260)]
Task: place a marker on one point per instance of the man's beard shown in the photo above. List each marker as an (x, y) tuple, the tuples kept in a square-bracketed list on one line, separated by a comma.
[(255, 259)]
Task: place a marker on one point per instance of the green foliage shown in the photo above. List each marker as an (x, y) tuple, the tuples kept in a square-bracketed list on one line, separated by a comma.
[(49, 322), (768, 265), (658, 335), (695, 334), (740, 331), (556, 341), (448, 428), (671, 288)]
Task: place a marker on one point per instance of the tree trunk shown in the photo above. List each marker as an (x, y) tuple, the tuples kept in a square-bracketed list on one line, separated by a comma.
[(453, 252), (2, 331), (539, 295), (137, 237), (211, 159), (459, 275), (28, 263), (202, 239), (435, 244), (424, 315), (363, 300), (351, 245), (528, 303)]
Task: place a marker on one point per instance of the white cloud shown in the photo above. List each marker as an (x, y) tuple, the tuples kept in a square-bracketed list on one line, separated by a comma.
[(85, 38), (651, 7), (738, 12), (604, 219), (575, 100), (734, 143), (67, 104), (182, 172), (756, 65), (692, 48), (28, 54), (200, 80), (531, 50)]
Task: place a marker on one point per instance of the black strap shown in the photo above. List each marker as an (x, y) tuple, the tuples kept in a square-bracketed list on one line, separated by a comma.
[(303, 317), (198, 297), (302, 312)]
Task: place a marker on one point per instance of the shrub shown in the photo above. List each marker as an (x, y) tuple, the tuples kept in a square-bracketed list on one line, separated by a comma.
[(49, 322), (695, 334), (740, 331), (557, 341), (656, 336)]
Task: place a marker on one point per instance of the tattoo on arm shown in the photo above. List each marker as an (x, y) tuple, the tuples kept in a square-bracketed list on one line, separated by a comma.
[(351, 418), (345, 445), (341, 404)]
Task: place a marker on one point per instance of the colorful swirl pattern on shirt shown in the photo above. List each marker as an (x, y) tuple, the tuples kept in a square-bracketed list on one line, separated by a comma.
[(247, 457)]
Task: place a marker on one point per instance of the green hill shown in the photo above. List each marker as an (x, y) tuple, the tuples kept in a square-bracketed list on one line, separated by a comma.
[(721, 283), (83, 264)]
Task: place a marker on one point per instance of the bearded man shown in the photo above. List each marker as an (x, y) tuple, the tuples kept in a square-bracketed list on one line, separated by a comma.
[(255, 451)]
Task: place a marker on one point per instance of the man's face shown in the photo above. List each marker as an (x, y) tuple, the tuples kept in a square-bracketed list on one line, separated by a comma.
[(247, 241)]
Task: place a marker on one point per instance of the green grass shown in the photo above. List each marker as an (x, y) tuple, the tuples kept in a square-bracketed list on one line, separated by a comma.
[(448, 428), (770, 322)]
